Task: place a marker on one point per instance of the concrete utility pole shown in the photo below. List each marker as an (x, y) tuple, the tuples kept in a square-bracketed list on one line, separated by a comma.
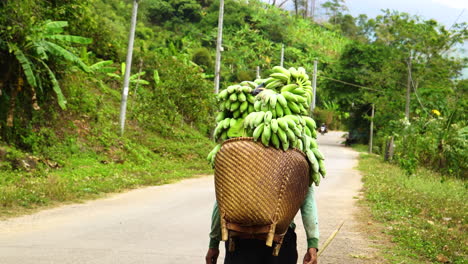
[(128, 67), (371, 129), (314, 86), (218, 46), (408, 90), (258, 72), (282, 55), (312, 13)]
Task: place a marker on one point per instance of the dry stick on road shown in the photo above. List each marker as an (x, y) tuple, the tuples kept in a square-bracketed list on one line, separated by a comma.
[(330, 239)]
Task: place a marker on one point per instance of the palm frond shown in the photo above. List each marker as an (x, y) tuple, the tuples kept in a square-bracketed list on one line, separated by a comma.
[(102, 66), (156, 77), (141, 81), (55, 85), (57, 50), (71, 38), (54, 27), (136, 75), (25, 64), (116, 76)]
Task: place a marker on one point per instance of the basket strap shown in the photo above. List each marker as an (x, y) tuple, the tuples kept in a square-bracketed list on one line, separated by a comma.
[(248, 229)]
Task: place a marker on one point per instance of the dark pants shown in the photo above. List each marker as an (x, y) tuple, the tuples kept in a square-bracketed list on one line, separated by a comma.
[(253, 251)]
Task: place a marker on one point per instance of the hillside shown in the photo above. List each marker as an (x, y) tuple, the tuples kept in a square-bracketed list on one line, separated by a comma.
[(59, 139)]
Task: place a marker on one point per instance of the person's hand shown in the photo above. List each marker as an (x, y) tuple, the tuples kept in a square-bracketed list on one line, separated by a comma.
[(212, 256), (310, 256)]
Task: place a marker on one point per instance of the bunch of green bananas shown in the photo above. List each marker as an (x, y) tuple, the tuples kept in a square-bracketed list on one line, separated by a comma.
[(277, 116), (235, 103)]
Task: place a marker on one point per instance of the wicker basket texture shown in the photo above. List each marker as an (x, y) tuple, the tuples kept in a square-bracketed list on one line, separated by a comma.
[(258, 186)]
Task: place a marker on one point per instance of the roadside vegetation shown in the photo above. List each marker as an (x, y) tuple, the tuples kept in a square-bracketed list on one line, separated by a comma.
[(424, 214)]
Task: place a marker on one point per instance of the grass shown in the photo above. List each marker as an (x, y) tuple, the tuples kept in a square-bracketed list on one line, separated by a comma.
[(100, 163), (424, 214)]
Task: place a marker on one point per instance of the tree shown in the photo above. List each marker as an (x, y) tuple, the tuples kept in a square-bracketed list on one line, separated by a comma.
[(334, 8), (36, 51)]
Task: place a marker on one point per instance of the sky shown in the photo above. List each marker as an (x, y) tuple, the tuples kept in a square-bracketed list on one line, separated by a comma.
[(447, 12), (444, 11)]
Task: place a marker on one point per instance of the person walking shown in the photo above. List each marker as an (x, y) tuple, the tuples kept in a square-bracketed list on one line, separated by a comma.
[(253, 251)]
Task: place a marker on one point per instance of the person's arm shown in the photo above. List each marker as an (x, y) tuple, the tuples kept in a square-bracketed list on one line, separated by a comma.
[(215, 233), (310, 221), (215, 237)]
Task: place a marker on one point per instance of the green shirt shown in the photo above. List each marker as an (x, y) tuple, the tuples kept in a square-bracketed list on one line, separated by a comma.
[(309, 219)]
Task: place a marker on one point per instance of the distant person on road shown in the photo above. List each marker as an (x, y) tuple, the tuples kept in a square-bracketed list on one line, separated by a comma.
[(323, 129), (253, 251)]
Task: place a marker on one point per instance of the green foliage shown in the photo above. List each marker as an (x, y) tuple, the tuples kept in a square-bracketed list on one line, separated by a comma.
[(424, 214), (202, 57)]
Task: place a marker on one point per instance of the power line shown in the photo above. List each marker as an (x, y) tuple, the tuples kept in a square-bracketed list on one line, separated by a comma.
[(456, 20), (352, 84)]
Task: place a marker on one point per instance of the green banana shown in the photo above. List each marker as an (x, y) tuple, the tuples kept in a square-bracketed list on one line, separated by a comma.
[(313, 143), (313, 161), (279, 110), (231, 89), (294, 72), (274, 125), (282, 135), (282, 100), (293, 107), (307, 131), (291, 135), (280, 76), (289, 87), (266, 135), (310, 122), (224, 135), (291, 122), (236, 113), (257, 105), (282, 123), (259, 119), (280, 69), (273, 100), (273, 85), (316, 178), (287, 111), (244, 106), (322, 168), (285, 146), (223, 94), (235, 105), (220, 116), (250, 98), (226, 123), (299, 91), (268, 116), (233, 97), (241, 97), (318, 154), (290, 97), (251, 108), (258, 131), (275, 140)]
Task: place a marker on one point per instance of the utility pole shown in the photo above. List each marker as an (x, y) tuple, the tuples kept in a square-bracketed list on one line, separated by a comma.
[(371, 129), (312, 13), (282, 55), (314, 87), (408, 90), (131, 38), (258, 72), (218, 46)]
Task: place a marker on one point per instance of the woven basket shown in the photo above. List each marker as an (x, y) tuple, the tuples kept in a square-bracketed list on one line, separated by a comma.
[(259, 190)]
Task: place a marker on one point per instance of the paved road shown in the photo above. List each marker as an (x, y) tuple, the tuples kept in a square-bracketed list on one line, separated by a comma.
[(170, 223)]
